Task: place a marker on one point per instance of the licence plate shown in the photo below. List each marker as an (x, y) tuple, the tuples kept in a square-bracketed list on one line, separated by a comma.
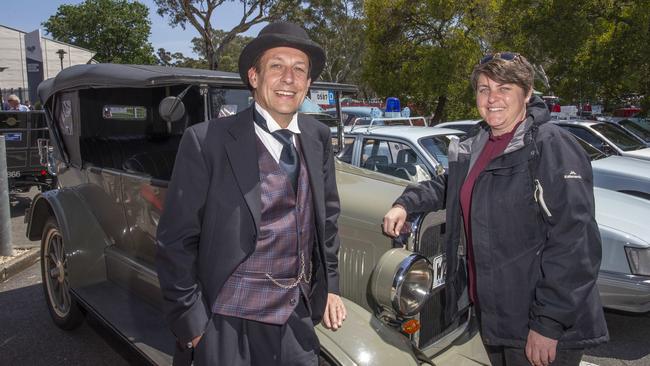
[(439, 271), (13, 174)]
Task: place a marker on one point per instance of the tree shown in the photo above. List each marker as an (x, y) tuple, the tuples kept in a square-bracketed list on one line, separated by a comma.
[(338, 26), (423, 52), (590, 49), (228, 59), (118, 30), (177, 59), (199, 14)]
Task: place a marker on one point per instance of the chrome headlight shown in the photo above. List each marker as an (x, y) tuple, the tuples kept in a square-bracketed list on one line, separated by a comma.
[(402, 281), (639, 260)]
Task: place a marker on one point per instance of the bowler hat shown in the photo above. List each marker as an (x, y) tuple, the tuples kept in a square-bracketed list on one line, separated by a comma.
[(281, 34)]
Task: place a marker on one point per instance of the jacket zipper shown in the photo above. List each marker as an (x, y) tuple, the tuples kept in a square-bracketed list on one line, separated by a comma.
[(539, 197)]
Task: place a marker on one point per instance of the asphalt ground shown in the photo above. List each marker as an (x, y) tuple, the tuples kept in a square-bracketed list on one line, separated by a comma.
[(29, 337)]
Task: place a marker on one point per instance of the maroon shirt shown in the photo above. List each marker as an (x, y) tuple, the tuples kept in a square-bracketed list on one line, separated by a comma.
[(493, 148)]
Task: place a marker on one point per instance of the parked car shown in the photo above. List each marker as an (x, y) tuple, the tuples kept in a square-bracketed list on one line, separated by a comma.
[(25, 158), (624, 276), (618, 173), (376, 155), (463, 125), (608, 138), (115, 131), (640, 128)]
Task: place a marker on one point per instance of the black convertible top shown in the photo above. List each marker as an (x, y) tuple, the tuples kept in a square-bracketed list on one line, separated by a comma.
[(143, 76)]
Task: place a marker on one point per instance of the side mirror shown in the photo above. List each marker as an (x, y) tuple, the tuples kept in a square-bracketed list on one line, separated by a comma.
[(171, 109)]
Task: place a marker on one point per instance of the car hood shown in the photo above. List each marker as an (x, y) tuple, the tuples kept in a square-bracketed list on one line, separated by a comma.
[(623, 166), (641, 153), (623, 212)]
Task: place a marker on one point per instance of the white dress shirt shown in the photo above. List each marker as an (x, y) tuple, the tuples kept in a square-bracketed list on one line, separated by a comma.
[(270, 142)]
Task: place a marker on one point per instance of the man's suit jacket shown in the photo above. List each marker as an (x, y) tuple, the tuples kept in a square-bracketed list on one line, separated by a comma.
[(212, 213)]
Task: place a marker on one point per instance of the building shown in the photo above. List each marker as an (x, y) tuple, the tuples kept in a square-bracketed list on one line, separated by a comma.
[(13, 78)]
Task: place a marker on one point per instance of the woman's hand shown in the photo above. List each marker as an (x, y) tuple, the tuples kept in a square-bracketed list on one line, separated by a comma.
[(394, 220)]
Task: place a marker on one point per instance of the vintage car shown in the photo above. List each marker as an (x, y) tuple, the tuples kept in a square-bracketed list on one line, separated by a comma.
[(23, 132), (608, 138), (383, 160), (115, 131)]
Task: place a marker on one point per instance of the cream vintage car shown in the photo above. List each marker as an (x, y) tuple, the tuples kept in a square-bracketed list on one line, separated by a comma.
[(114, 133)]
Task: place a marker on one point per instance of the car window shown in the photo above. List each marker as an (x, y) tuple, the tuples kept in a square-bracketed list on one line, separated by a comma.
[(637, 129), (393, 158), (227, 102), (586, 135), (618, 136), (348, 148), (437, 147), (594, 154)]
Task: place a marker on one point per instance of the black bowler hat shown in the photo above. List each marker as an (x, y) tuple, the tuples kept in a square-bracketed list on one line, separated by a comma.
[(281, 34)]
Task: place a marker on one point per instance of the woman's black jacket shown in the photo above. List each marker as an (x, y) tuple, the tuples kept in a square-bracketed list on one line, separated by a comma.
[(536, 243)]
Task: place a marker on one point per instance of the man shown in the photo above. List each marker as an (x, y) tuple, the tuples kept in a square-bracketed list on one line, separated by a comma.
[(248, 243), (14, 104)]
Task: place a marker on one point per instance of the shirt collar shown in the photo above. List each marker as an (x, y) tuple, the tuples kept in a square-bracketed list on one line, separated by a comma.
[(273, 125)]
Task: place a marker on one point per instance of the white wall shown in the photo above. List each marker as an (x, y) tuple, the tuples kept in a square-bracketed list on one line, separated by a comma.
[(12, 55)]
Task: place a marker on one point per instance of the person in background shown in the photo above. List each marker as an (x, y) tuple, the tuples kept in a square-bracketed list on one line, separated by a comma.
[(29, 105), (248, 243), (14, 104), (520, 222)]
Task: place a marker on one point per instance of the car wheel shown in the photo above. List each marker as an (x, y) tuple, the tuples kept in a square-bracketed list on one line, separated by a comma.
[(62, 306)]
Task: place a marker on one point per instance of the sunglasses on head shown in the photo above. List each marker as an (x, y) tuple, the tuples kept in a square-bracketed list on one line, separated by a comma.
[(506, 56)]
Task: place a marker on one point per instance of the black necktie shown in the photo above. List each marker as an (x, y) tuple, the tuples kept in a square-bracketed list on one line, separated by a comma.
[(289, 161)]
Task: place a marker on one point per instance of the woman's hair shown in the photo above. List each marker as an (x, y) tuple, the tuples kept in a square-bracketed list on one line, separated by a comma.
[(516, 70)]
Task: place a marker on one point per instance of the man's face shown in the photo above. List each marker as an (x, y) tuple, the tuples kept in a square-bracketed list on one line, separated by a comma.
[(13, 103), (281, 83)]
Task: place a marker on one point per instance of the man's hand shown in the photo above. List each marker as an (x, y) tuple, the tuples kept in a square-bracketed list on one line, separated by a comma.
[(335, 312), (540, 350), (394, 220)]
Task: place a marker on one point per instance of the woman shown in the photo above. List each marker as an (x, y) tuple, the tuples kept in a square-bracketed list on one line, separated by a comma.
[(520, 221)]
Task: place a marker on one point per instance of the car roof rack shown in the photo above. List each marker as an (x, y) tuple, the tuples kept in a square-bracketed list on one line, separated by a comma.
[(377, 122)]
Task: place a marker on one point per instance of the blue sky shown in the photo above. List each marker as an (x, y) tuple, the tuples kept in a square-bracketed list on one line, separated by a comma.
[(27, 15)]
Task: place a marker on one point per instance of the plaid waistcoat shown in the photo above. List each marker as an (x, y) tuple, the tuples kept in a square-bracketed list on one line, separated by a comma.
[(285, 237)]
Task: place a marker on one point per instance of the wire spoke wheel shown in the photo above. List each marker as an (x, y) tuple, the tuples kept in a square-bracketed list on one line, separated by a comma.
[(54, 267)]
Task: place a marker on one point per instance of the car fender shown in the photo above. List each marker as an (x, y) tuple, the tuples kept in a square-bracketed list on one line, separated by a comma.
[(364, 340), (84, 239)]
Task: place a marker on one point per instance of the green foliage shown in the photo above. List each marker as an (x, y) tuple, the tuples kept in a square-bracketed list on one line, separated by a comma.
[(337, 25), (592, 50), (229, 56), (424, 52), (118, 30)]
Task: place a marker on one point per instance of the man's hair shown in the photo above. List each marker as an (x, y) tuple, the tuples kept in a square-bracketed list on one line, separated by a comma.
[(517, 71), (13, 97)]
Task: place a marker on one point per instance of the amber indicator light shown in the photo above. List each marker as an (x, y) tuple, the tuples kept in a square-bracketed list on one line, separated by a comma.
[(410, 326)]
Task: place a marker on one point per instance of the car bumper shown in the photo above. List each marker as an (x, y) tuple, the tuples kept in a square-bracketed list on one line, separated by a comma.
[(624, 292)]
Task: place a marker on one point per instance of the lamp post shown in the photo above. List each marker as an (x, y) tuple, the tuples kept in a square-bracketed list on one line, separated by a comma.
[(61, 52)]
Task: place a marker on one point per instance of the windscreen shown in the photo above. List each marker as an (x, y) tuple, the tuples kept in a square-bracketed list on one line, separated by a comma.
[(641, 130), (438, 148), (618, 136)]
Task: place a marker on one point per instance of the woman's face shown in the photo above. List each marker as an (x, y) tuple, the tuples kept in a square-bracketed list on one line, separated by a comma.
[(502, 106)]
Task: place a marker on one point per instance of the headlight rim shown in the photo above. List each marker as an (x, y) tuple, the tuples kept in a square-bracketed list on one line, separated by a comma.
[(398, 281)]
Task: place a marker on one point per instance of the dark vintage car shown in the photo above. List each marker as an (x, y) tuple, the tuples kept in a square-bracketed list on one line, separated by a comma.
[(26, 167), (115, 130)]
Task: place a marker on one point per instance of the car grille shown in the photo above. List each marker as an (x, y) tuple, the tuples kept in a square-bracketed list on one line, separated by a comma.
[(432, 318)]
